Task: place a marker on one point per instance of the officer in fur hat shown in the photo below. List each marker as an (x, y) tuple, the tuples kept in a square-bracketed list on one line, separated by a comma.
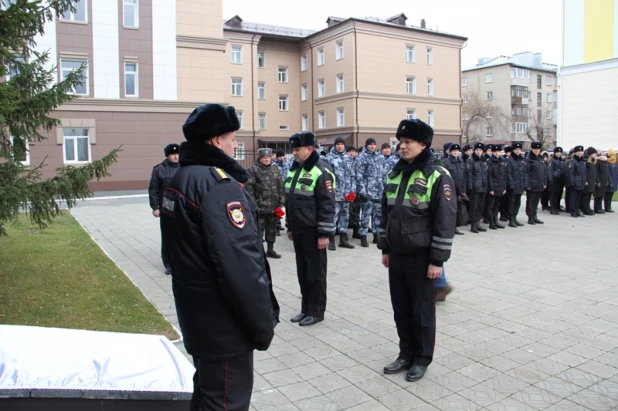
[(516, 183), (537, 182), (221, 279), (419, 213), (310, 204), (476, 174), (160, 179)]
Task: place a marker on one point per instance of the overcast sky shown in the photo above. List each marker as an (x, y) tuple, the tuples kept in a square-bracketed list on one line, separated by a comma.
[(493, 27)]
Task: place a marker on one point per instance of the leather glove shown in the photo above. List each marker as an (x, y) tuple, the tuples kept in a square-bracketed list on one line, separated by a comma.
[(279, 213), (363, 198), (350, 197)]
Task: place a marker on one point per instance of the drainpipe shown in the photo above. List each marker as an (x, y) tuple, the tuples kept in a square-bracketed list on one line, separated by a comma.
[(312, 89), (253, 95), (356, 84)]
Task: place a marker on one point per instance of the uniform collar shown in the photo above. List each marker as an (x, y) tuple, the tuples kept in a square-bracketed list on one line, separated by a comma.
[(308, 164), (203, 154)]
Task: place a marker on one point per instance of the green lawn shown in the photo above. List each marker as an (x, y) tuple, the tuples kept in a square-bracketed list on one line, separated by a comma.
[(59, 277)]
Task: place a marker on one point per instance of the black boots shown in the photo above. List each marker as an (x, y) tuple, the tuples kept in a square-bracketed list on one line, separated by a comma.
[(492, 223), (331, 243), (343, 241), (480, 227), (457, 232), (512, 222), (531, 220), (474, 228), (355, 233), (364, 242), (497, 223), (375, 239), (271, 251), (536, 220)]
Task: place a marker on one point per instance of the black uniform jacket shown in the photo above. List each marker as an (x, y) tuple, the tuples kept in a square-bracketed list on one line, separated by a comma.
[(537, 172), (457, 168), (496, 175), (555, 172), (221, 279), (576, 174), (476, 174), (160, 179), (516, 176)]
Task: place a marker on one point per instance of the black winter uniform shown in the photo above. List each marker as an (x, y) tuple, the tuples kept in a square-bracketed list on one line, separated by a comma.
[(457, 168), (415, 234), (516, 182), (537, 180), (576, 181), (496, 183), (160, 179), (310, 215), (556, 180), (476, 173), (592, 176), (602, 183), (220, 277)]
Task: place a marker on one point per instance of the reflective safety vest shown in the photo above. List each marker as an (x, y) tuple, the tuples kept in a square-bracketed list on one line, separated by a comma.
[(418, 191), (305, 184)]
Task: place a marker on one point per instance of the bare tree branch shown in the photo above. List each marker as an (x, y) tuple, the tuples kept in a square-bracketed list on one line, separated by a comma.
[(479, 111)]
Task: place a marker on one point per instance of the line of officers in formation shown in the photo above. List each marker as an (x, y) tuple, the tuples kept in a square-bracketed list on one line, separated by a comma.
[(214, 215)]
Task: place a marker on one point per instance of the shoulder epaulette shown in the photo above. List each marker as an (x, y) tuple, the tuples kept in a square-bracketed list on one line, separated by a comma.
[(219, 174)]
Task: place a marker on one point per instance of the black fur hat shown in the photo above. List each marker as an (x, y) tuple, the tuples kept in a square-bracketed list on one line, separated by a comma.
[(466, 148), (558, 150), (172, 148), (416, 130), (454, 146), (302, 139), (508, 149), (516, 145), (479, 145), (535, 144), (210, 120)]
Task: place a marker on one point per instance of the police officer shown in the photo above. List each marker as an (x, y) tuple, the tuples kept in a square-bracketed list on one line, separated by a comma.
[(265, 186), (496, 186), (576, 180), (456, 167), (504, 202), (161, 176), (556, 180), (419, 212), (537, 182), (220, 276), (310, 205), (369, 170), (342, 166), (476, 174), (516, 182)]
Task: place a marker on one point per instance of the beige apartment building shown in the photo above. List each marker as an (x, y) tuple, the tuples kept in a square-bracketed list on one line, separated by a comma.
[(150, 63), (509, 99)]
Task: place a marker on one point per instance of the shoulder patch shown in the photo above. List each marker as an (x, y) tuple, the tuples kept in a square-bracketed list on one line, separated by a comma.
[(329, 186), (420, 181), (448, 192), (236, 214)]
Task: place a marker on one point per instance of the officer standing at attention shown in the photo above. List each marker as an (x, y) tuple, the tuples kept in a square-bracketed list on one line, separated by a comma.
[(220, 276), (537, 182), (419, 214), (162, 174), (476, 174), (310, 206)]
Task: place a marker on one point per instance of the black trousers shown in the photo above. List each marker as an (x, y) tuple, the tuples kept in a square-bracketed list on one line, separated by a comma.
[(532, 202), (355, 209), (504, 205), (555, 196), (486, 206), (166, 261), (567, 200), (493, 206), (223, 385), (575, 201), (514, 204), (545, 197), (608, 201), (585, 203), (477, 203), (413, 296), (311, 271)]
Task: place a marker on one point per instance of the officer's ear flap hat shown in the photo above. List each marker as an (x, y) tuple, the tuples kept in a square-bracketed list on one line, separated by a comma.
[(302, 139), (264, 152), (210, 120), (416, 130), (508, 149), (454, 147), (171, 149), (516, 145), (535, 144), (578, 148), (558, 150), (496, 147), (466, 148), (479, 145)]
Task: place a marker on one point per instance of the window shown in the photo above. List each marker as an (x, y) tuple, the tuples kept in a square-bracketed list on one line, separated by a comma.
[(549, 96), (67, 66), (321, 119), (465, 98), (304, 122), (80, 14), (339, 83), (539, 116), (283, 74), (548, 80), (466, 116), (236, 54), (489, 78), (304, 92), (240, 119), (262, 121), (239, 153), (410, 54), (12, 69), (411, 85), (340, 117), (261, 90), (517, 72), (411, 114), (519, 127), (131, 13), (303, 63), (283, 127), (489, 115), (529, 113), (549, 115), (539, 81), (489, 131), (429, 55), (464, 82), (76, 145), (430, 87), (237, 87), (24, 157), (283, 103), (339, 50), (260, 60), (539, 99), (430, 117), (321, 56), (490, 95), (321, 88), (130, 79)]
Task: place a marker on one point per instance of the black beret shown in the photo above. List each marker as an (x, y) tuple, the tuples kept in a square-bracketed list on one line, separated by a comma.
[(350, 148), (302, 139), (516, 145), (578, 148), (558, 150), (210, 120), (454, 146), (385, 145), (479, 145), (172, 148), (416, 130), (508, 149), (535, 144), (466, 147), (340, 140)]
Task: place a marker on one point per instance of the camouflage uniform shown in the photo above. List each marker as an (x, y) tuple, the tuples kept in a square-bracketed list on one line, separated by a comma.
[(265, 185), (283, 167), (390, 162), (342, 164), (369, 171)]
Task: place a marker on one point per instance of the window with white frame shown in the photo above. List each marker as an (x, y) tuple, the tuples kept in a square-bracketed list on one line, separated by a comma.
[(262, 121), (430, 87), (261, 90), (237, 87), (539, 81), (321, 119), (411, 114), (489, 131), (284, 103), (529, 113), (466, 116), (489, 78), (411, 85), (303, 63), (261, 62), (549, 115), (321, 88), (80, 14), (76, 145), (539, 99), (304, 122), (490, 96), (429, 55), (430, 117), (24, 156), (239, 153), (283, 74), (464, 82), (519, 127), (69, 65), (410, 53), (236, 54), (130, 13), (517, 72), (284, 127), (339, 49), (131, 88), (304, 92), (340, 117), (549, 97), (321, 56), (548, 80), (241, 119), (340, 85), (12, 69), (464, 97)]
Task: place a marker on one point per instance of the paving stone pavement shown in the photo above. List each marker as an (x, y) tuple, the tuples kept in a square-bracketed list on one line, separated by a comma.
[(532, 323)]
